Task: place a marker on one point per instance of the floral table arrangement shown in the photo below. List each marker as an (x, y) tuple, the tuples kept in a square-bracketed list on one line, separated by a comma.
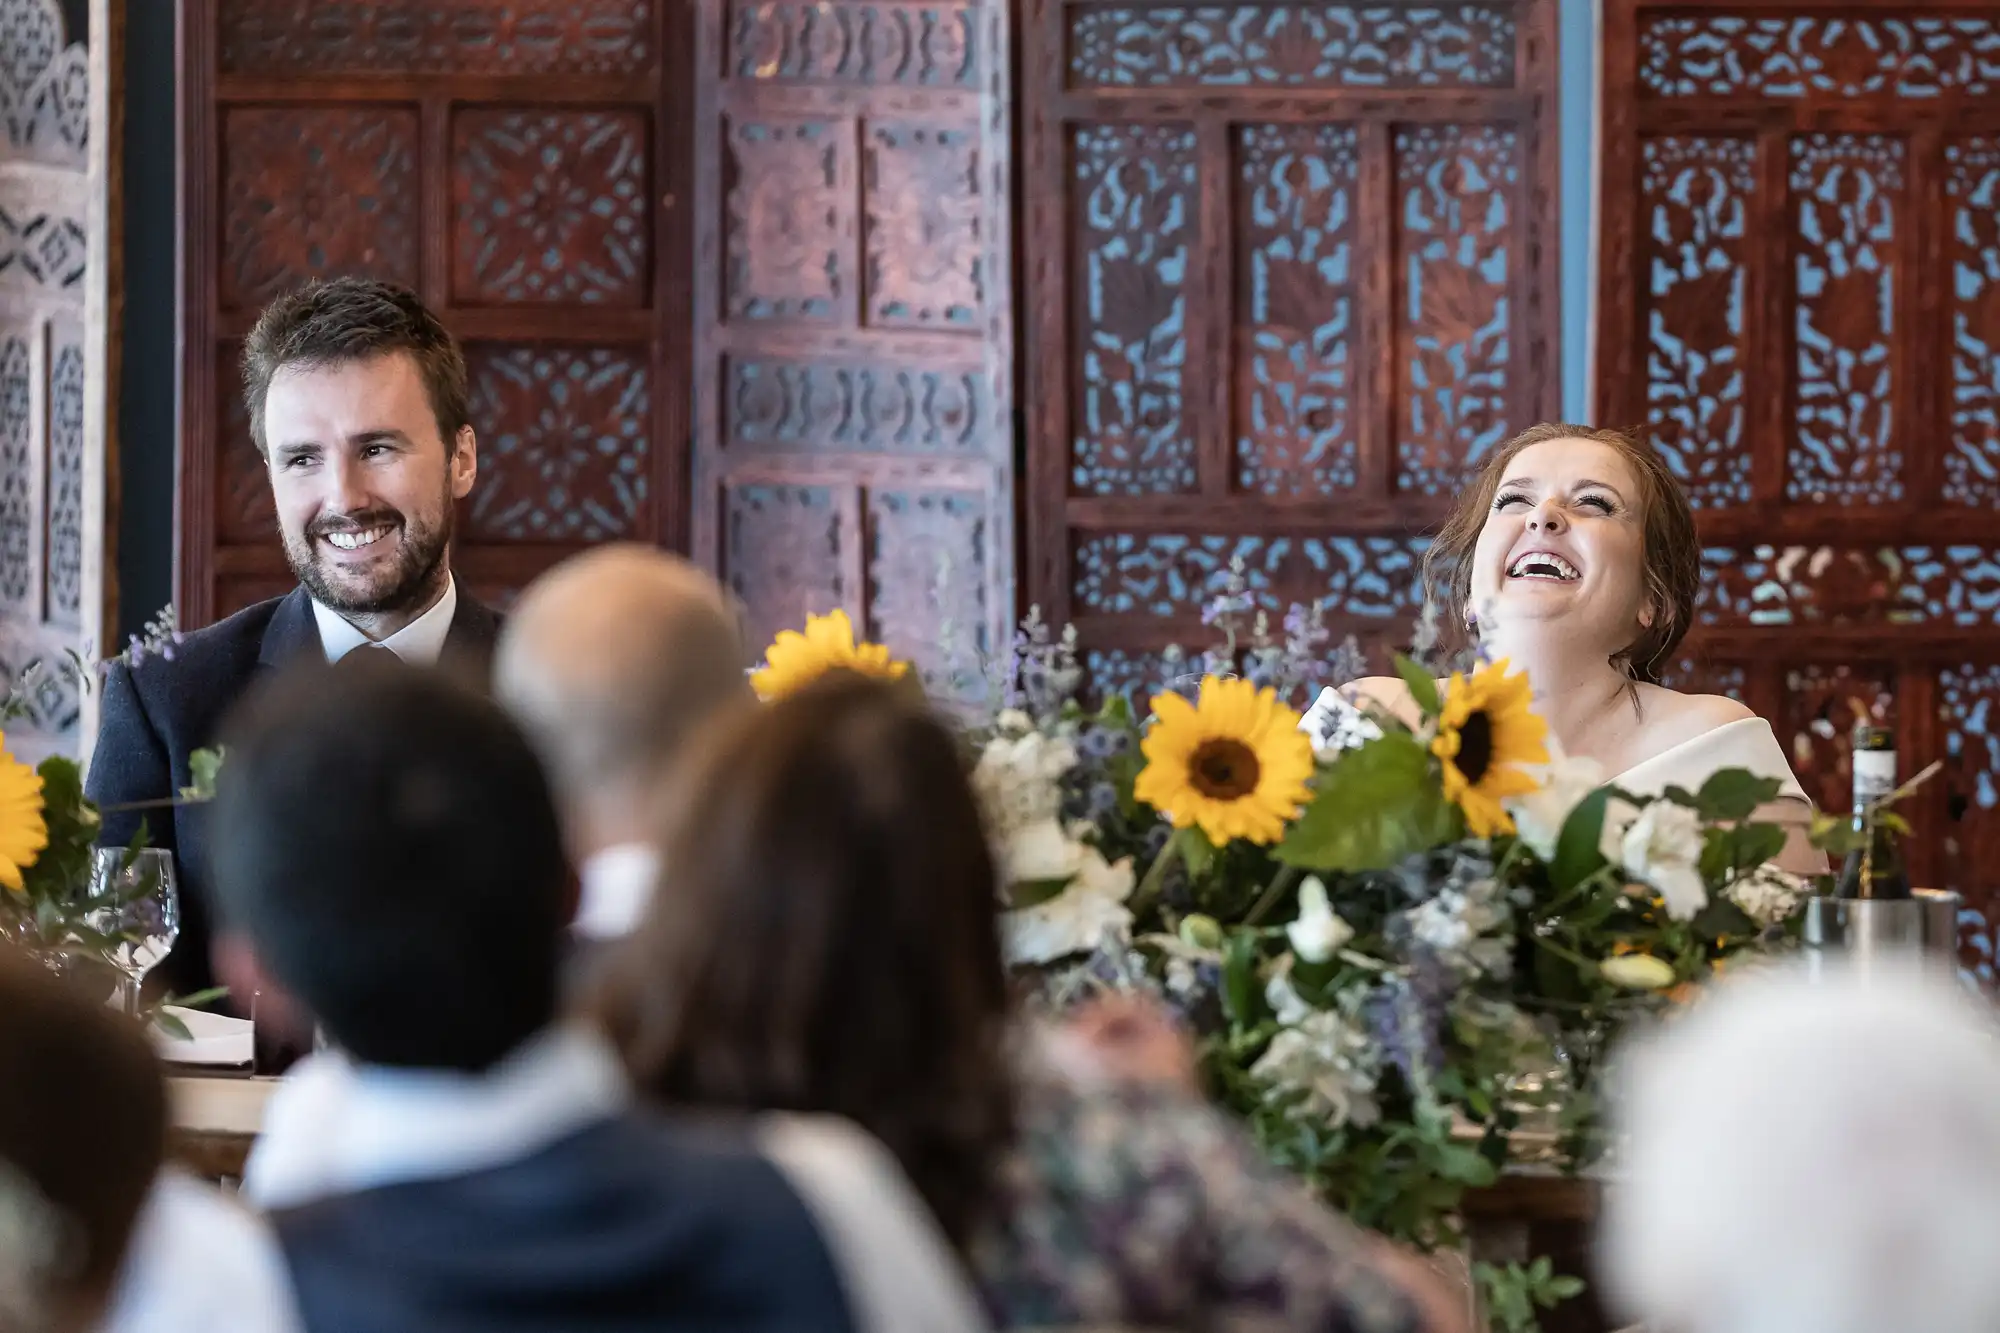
[(54, 904), (1401, 947)]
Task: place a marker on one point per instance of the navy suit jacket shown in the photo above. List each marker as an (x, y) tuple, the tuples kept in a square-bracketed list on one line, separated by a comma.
[(157, 714), (627, 1226)]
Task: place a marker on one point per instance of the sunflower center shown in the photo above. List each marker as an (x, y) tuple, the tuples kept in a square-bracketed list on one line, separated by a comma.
[(1223, 770), (1475, 747)]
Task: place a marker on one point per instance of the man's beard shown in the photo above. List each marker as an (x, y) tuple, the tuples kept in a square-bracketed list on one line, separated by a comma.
[(410, 579)]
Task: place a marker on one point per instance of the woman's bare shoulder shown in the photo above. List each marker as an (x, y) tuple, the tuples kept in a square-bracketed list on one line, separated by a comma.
[(1387, 693), (1378, 689), (1694, 713)]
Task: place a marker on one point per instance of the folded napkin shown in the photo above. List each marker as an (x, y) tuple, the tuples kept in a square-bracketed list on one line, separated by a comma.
[(213, 1039)]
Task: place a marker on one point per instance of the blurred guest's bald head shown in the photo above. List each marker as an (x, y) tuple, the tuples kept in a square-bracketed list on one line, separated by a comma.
[(610, 661)]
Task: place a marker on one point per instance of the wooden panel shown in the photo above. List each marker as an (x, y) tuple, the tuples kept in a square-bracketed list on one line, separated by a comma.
[(58, 262), (1800, 250), (853, 321), (520, 163), (1291, 273)]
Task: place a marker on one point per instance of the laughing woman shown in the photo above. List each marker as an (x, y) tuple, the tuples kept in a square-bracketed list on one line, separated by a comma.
[(1574, 558)]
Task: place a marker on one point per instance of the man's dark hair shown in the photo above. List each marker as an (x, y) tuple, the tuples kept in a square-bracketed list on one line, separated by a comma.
[(387, 842), (354, 319)]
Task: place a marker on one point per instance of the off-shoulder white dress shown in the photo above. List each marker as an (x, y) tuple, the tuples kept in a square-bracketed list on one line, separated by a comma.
[(1748, 743)]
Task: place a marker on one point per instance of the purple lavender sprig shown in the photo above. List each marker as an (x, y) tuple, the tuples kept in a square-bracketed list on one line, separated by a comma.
[(1041, 672), (158, 638)]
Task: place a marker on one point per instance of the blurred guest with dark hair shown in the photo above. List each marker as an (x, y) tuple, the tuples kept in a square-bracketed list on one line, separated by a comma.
[(609, 662), (83, 1123), (388, 860), (825, 939), (357, 401)]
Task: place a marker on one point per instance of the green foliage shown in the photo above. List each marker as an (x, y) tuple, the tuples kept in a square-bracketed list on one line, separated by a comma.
[(1734, 794), (1422, 684), (1460, 1001), (52, 916), (1375, 807), (1514, 1295), (1577, 847), (203, 768)]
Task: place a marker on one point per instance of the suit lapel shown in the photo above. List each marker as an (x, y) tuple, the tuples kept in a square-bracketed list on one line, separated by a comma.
[(292, 631), (468, 644)]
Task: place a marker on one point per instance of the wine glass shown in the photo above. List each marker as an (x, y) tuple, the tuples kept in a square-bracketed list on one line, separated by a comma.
[(134, 903)]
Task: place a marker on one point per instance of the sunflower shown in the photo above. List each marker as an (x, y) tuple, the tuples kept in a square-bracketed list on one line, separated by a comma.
[(795, 660), (1484, 729), (1235, 763), (23, 831)]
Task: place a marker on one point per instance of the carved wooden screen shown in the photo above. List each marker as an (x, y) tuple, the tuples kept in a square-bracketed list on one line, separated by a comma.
[(1291, 269), (855, 439), (57, 266), (1801, 295), (516, 162)]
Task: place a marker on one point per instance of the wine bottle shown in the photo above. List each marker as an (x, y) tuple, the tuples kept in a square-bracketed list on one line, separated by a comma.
[(1875, 868)]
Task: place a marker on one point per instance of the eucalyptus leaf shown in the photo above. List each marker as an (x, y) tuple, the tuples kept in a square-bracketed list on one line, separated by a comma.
[(1735, 794), (171, 1024), (1578, 855), (1423, 685), (1376, 805)]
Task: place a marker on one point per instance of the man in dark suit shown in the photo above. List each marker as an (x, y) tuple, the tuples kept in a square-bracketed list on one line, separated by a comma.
[(357, 400)]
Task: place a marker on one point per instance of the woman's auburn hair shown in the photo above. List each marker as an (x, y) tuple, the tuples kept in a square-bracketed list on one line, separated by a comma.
[(1670, 550), (824, 938)]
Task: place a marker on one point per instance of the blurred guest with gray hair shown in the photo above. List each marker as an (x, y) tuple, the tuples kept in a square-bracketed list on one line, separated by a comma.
[(609, 662), (1813, 1157)]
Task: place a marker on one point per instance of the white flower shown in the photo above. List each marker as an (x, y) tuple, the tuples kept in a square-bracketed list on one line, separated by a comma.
[(1540, 815), (1012, 722), (1336, 724), (1016, 781), (1459, 925), (1083, 918), (1332, 1061), (1637, 971), (1040, 852), (1287, 1005), (1769, 895), (1319, 932), (1662, 847)]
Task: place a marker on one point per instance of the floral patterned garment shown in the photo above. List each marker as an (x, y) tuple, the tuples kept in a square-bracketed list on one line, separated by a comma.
[(1140, 1207)]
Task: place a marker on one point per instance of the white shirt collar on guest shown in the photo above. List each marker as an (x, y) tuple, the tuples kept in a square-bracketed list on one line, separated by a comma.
[(335, 1126), (617, 888), (418, 643)]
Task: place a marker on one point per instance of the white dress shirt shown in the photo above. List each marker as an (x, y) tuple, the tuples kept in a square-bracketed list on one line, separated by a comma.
[(617, 885), (200, 1263), (335, 1126), (418, 643)]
